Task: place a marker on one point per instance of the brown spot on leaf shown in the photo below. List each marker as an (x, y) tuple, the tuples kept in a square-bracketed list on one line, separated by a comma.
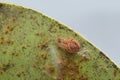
[(60, 26), (1, 5), (5, 67), (83, 78), (44, 56), (2, 38), (51, 69), (10, 28), (21, 73), (21, 12), (14, 54), (44, 47), (4, 52), (89, 43), (76, 34), (38, 57), (103, 55), (18, 75), (52, 29), (34, 66), (115, 73), (68, 68), (1, 42), (37, 34), (1, 72), (14, 19), (9, 41), (84, 59), (24, 47), (114, 66), (6, 32)]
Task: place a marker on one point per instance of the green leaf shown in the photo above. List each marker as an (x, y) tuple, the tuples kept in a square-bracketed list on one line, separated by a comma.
[(30, 50)]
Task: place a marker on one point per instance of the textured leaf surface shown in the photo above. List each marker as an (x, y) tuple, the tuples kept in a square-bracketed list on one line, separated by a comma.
[(29, 50)]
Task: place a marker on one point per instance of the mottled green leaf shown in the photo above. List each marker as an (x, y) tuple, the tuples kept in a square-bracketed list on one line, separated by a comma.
[(29, 50)]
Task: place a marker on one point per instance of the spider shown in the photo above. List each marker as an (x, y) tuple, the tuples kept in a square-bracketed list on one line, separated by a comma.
[(69, 44)]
